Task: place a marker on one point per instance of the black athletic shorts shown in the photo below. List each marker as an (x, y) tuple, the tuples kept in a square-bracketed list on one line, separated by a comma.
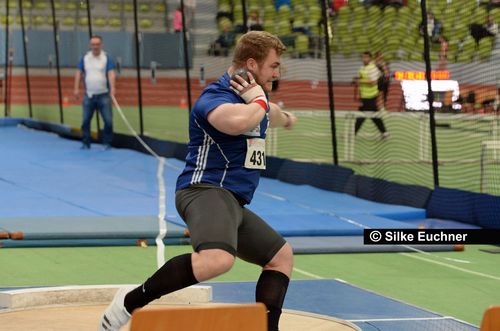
[(216, 219)]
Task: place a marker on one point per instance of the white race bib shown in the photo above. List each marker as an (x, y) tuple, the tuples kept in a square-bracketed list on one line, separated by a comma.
[(256, 154)]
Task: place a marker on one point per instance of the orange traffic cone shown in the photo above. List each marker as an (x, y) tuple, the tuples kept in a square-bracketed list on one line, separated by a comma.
[(66, 102), (183, 103)]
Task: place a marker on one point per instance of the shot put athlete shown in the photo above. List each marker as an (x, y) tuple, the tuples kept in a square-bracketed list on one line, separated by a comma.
[(226, 153)]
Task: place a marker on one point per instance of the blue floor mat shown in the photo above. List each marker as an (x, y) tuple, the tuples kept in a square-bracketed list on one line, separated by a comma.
[(432, 223), (47, 177), (88, 242), (341, 300), (334, 202), (352, 244), (129, 227), (327, 225)]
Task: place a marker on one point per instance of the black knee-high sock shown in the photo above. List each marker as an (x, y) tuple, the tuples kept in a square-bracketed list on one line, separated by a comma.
[(174, 275), (271, 291)]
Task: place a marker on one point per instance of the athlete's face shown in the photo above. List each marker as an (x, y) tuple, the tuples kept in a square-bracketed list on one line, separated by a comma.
[(96, 46), (267, 71)]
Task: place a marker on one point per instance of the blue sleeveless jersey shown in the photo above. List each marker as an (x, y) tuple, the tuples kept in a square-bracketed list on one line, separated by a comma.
[(215, 157)]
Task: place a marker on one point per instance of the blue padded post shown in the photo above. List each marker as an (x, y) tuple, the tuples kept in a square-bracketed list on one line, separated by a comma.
[(487, 210), (452, 204), (384, 191), (324, 176)]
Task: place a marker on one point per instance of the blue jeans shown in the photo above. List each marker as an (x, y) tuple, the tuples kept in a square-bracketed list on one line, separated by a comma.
[(101, 102)]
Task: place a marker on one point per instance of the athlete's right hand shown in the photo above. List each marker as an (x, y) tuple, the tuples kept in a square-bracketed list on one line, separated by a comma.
[(249, 91)]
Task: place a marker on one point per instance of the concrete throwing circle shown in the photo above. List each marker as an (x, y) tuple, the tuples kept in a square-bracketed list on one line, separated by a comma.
[(86, 318)]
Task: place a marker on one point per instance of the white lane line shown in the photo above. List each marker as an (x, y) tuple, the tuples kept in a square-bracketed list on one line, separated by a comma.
[(451, 266), (273, 196), (403, 319), (305, 273)]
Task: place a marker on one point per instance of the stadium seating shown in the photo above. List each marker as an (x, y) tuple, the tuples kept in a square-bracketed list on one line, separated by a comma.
[(144, 8), (12, 4), (484, 48), (68, 21), (83, 5), (354, 28), (238, 14), (284, 28), (145, 23), (83, 21), (392, 31), (38, 20), (480, 15), (115, 22), (159, 8), (27, 5), (301, 45), (41, 5), (111, 14), (495, 13), (100, 22), (269, 13), (128, 7), (467, 52), (70, 6), (4, 19), (284, 13), (114, 7), (299, 13)]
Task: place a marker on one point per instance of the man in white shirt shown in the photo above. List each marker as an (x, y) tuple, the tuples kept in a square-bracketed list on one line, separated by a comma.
[(97, 68)]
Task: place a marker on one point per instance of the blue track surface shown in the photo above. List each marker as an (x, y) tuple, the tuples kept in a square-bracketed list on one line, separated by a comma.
[(366, 309), (43, 176)]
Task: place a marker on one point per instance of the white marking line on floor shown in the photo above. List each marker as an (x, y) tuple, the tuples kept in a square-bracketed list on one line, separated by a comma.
[(403, 319), (451, 266), (273, 196), (305, 273), (438, 256)]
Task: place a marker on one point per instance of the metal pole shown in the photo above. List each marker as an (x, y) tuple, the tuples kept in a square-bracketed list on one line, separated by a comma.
[(56, 46), (430, 95), (245, 15), (26, 65), (333, 128), (5, 76), (89, 25), (138, 67), (89, 18), (186, 56)]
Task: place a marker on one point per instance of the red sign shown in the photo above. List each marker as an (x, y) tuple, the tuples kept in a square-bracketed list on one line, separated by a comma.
[(420, 75)]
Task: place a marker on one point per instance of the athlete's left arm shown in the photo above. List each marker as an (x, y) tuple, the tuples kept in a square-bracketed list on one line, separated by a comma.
[(279, 118)]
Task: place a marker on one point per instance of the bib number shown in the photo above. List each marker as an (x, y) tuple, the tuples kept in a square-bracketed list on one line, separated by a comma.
[(256, 154)]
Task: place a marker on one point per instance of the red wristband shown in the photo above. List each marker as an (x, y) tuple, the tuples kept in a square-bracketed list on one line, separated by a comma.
[(262, 103)]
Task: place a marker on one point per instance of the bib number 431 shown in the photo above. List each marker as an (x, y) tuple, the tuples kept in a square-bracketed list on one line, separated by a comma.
[(256, 154)]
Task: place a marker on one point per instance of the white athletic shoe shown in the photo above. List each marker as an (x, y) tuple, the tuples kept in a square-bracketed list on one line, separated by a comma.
[(115, 316)]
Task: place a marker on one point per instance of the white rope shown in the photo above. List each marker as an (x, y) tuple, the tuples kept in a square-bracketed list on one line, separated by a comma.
[(162, 225)]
